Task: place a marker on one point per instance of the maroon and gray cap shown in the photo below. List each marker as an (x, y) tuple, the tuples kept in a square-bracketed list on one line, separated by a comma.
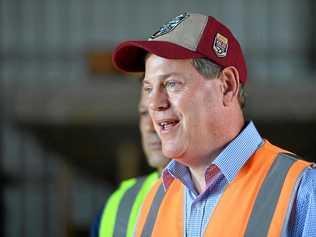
[(184, 37)]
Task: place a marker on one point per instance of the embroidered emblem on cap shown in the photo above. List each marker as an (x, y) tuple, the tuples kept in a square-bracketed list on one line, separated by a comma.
[(220, 45), (170, 25)]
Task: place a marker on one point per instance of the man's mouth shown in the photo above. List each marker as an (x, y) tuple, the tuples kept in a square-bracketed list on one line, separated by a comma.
[(166, 125)]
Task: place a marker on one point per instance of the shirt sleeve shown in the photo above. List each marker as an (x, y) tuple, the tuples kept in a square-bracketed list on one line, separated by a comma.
[(302, 220)]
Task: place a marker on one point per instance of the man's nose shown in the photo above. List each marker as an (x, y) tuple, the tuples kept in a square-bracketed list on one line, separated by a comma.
[(158, 100)]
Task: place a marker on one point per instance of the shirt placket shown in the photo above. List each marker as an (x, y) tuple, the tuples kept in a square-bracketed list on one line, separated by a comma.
[(196, 216)]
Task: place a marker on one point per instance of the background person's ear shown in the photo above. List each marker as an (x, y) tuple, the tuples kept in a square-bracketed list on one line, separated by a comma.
[(230, 84)]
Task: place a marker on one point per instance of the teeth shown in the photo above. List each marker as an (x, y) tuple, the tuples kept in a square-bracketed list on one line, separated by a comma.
[(165, 125)]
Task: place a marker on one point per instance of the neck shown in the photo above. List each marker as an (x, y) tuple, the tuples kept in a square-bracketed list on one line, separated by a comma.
[(198, 178), (198, 169)]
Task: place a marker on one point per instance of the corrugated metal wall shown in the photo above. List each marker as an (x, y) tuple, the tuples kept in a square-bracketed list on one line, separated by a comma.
[(47, 40)]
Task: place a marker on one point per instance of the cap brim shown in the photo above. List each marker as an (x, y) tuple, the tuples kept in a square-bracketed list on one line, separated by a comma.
[(129, 56)]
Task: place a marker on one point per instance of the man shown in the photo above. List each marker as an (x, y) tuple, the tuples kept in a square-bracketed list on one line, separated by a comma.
[(121, 209), (224, 178)]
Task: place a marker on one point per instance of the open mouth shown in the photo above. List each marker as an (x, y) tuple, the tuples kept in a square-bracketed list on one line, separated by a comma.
[(167, 124)]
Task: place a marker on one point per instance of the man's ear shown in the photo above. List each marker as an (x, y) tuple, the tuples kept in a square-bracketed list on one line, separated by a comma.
[(230, 84)]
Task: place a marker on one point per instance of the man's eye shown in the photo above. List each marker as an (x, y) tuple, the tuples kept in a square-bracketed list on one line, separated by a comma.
[(147, 90), (143, 113), (172, 85)]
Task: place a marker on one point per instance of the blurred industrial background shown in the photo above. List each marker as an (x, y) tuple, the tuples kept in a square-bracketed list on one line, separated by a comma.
[(68, 120)]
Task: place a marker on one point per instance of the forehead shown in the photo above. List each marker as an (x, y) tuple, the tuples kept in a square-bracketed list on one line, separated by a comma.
[(156, 66)]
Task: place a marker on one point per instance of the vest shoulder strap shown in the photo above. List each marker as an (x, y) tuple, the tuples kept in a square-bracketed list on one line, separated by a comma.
[(153, 212), (146, 207), (287, 193), (139, 200), (268, 197), (120, 212), (162, 212)]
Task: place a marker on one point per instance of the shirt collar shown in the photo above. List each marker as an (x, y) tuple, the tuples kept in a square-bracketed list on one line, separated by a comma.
[(229, 161), (238, 151)]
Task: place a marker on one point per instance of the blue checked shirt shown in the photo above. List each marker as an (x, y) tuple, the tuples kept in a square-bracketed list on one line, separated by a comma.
[(301, 218)]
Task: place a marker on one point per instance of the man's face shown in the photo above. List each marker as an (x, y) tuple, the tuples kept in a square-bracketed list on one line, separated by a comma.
[(150, 140), (186, 108)]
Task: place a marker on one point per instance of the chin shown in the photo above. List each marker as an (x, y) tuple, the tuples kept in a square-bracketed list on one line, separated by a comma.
[(155, 158), (172, 153), (175, 148)]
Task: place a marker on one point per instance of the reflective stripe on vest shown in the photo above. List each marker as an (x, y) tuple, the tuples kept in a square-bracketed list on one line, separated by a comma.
[(268, 196), (254, 204), (149, 225), (121, 210)]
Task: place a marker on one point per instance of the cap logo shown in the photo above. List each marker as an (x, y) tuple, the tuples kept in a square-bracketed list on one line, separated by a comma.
[(220, 45), (169, 26)]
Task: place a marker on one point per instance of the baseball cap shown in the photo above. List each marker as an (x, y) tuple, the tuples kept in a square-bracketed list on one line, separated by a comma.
[(186, 36)]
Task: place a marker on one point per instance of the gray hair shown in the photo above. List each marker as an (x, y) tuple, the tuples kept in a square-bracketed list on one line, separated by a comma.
[(208, 69)]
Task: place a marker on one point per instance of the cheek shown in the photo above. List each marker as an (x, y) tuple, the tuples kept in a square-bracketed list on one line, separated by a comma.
[(141, 128), (183, 103), (200, 112)]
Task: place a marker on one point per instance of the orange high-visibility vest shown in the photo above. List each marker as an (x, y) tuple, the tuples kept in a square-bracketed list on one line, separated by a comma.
[(255, 203)]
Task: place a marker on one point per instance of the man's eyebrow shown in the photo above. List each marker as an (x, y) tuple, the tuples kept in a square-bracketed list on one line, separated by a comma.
[(145, 82), (142, 110), (162, 77)]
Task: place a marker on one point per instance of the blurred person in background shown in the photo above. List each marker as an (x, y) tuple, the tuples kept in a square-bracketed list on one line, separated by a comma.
[(224, 179), (118, 217)]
